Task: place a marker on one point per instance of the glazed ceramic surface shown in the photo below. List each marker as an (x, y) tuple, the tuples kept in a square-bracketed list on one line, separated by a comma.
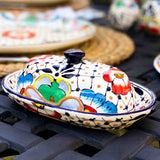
[(156, 63), (123, 13), (88, 94), (150, 17), (21, 30)]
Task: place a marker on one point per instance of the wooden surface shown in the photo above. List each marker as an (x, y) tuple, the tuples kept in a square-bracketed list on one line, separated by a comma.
[(31, 136)]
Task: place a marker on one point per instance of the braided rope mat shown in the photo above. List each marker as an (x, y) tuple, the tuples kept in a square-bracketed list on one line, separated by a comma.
[(108, 46), (75, 4)]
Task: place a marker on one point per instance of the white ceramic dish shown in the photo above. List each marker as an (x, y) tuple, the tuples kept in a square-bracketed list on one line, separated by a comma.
[(156, 63), (38, 32), (88, 94)]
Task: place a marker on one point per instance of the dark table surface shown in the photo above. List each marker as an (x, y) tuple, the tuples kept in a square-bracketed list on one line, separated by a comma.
[(33, 137)]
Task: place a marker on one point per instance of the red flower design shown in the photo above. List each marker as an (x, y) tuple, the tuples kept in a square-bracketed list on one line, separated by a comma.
[(19, 34), (89, 109), (120, 81)]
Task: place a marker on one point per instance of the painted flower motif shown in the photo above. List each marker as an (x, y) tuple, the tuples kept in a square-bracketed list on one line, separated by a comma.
[(19, 34), (120, 81), (53, 91), (23, 82), (96, 103)]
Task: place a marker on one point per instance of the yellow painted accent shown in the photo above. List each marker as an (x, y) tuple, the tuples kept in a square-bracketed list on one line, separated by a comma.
[(148, 19), (44, 75), (86, 110)]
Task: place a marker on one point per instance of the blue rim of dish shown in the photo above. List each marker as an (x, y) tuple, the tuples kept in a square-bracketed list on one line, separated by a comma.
[(154, 63), (151, 106)]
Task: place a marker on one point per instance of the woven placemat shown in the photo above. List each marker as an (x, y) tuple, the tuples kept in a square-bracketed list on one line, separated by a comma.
[(108, 46), (75, 4)]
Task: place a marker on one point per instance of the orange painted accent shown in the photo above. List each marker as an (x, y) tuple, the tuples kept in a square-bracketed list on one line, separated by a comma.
[(14, 81), (71, 117), (34, 76), (87, 123), (32, 68), (83, 80), (125, 97), (118, 75), (42, 65), (65, 118), (115, 125), (110, 97), (109, 120), (98, 86), (99, 123), (52, 99), (120, 106), (100, 67), (130, 104), (86, 72), (87, 67), (83, 118), (99, 73), (72, 82), (26, 71), (52, 63)]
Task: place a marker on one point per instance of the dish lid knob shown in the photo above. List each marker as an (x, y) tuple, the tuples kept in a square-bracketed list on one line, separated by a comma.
[(74, 56)]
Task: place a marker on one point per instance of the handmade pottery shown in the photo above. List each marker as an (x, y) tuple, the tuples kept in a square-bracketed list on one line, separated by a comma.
[(37, 32), (71, 89), (123, 13), (150, 17), (156, 63)]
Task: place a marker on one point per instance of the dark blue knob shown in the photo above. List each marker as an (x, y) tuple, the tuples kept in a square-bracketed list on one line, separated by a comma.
[(74, 56)]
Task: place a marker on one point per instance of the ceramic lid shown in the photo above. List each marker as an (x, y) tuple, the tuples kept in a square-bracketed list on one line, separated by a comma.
[(70, 82)]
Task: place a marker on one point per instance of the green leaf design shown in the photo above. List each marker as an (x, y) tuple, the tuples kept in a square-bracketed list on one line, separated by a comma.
[(52, 93)]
